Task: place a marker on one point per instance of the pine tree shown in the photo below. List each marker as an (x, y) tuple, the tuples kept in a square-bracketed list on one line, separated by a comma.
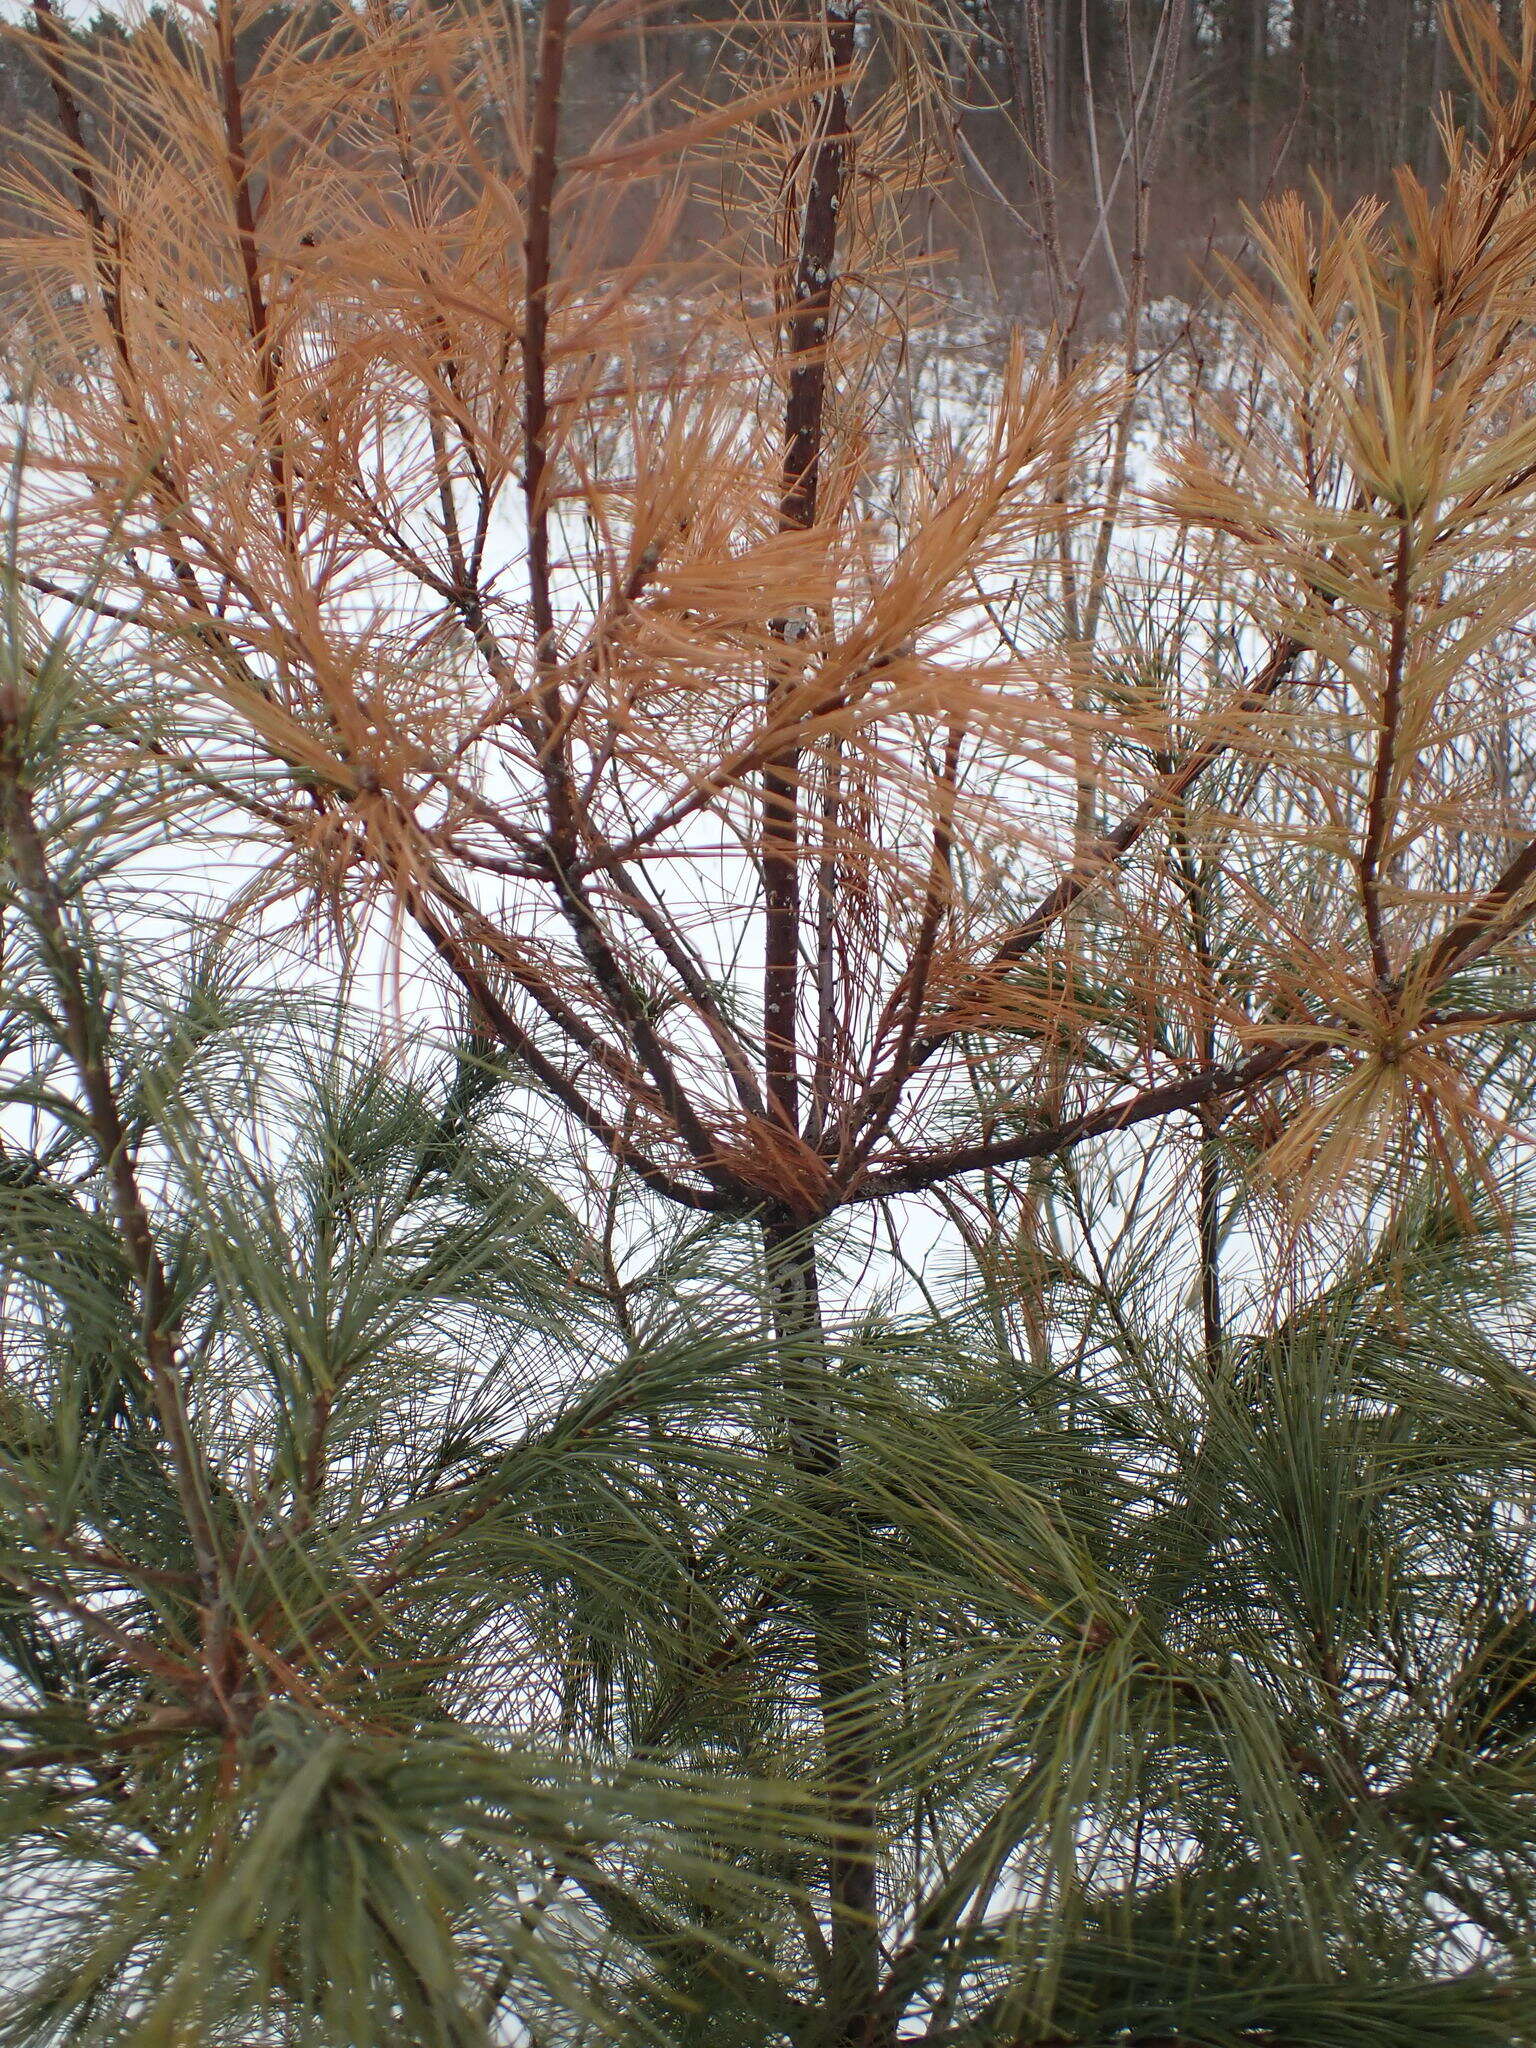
[(813, 814)]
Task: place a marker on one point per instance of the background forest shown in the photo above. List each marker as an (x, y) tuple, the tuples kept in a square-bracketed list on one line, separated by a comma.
[(1263, 94)]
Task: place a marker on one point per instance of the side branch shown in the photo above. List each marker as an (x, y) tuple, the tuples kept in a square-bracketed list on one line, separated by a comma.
[(1210, 1084), (1497, 914), (1503, 910), (169, 499), (873, 1111), (719, 1200), (159, 1333)]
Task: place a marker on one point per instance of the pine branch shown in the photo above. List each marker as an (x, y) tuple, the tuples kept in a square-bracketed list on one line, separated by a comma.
[(84, 1038)]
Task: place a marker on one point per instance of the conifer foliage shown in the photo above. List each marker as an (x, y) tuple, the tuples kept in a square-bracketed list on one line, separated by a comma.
[(473, 1573)]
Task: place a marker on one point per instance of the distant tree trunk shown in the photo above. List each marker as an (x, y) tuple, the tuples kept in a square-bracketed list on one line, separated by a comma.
[(1191, 128), (1402, 56), (1063, 67), (1303, 40), (1429, 155)]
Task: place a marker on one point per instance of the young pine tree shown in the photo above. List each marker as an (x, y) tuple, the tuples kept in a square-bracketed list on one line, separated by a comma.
[(528, 546)]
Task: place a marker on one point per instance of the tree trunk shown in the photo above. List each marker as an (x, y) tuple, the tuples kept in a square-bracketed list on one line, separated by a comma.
[(837, 1615), (840, 1621)]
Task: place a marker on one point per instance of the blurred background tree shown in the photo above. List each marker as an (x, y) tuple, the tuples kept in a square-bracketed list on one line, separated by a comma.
[(1264, 94)]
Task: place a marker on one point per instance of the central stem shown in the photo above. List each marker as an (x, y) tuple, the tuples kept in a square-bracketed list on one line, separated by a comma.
[(836, 1607), (840, 1629)]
